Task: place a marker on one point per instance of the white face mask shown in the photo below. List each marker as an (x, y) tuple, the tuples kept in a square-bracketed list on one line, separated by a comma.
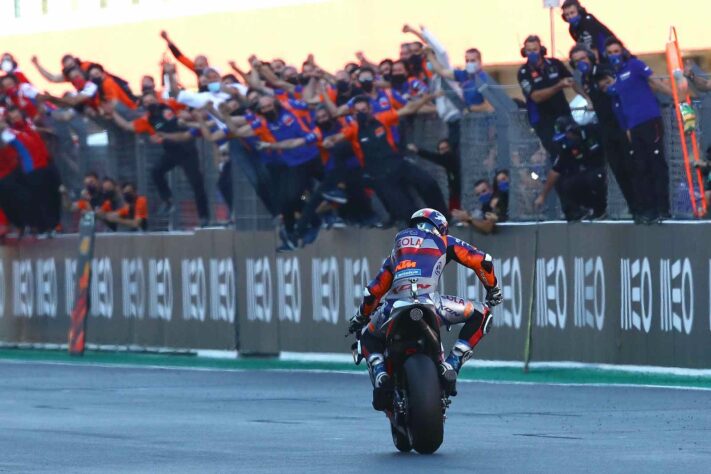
[(6, 65), (473, 68)]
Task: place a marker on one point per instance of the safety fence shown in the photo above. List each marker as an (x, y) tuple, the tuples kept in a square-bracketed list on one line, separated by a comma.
[(600, 293), (489, 142)]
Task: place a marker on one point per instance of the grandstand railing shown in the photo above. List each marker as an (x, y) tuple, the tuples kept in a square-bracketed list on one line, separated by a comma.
[(489, 142)]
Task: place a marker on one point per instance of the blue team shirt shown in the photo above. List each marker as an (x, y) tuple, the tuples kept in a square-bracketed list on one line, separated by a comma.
[(410, 89), (286, 127), (639, 104), (467, 81), (342, 151)]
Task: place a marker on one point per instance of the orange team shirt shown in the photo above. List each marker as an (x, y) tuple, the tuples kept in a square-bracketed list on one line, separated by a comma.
[(83, 205), (112, 91), (140, 211), (389, 119), (142, 125), (106, 206)]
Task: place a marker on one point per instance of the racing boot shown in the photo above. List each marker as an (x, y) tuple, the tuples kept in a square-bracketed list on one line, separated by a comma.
[(449, 368), (382, 386)]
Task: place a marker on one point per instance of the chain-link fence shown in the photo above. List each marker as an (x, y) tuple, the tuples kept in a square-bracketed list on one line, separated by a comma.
[(501, 140)]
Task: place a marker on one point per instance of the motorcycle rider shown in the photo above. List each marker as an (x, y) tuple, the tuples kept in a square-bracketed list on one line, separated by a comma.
[(419, 256)]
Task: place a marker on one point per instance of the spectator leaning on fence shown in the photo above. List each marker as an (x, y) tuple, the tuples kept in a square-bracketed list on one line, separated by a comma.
[(543, 81), (447, 158), (470, 79), (635, 87), (614, 137), (133, 214), (179, 149), (578, 171), (492, 204)]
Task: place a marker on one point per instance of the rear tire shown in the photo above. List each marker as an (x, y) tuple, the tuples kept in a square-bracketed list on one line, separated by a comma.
[(426, 423), (401, 441)]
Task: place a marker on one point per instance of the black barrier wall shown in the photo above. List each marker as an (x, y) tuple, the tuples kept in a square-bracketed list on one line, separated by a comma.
[(169, 290), (603, 293)]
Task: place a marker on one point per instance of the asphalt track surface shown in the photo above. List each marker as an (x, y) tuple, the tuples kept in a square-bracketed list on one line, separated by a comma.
[(81, 418)]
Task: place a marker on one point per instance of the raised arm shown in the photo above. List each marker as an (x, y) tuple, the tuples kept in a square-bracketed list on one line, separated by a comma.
[(437, 67), (55, 78), (408, 29), (240, 72), (364, 61), (272, 78), (182, 59)]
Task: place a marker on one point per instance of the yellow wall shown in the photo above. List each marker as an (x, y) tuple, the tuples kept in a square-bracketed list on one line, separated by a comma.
[(335, 29)]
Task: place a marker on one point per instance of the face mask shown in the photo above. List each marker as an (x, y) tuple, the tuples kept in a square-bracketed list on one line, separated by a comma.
[(575, 20), (154, 109), (97, 80), (214, 86), (367, 86), (342, 86), (362, 117), (533, 57), (271, 116), (504, 186), (293, 80), (416, 62), (582, 66), (326, 126), (129, 197), (472, 68), (7, 65), (92, 188), (148, 89), (303, 80), (485, 198), (615, 59), (78, 83), (388, 77), (398, 79)]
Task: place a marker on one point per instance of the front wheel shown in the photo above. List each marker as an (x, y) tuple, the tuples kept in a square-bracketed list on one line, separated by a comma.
[(425, 420)]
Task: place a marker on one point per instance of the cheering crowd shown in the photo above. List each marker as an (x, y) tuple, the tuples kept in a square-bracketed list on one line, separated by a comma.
[(326, 148)]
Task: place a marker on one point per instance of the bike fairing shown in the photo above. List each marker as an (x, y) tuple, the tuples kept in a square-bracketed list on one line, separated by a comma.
[(418, 260)]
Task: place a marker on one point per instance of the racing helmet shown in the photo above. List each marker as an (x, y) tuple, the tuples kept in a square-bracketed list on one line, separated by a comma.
[(430, 220)]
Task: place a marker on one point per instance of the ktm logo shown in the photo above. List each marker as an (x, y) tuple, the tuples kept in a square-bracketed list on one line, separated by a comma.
[(405, 264)]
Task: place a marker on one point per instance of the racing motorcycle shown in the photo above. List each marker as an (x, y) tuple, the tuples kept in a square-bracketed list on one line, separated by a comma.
[(419, 398)]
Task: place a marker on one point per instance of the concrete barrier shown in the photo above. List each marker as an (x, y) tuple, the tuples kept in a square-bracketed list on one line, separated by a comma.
[(603, 293)]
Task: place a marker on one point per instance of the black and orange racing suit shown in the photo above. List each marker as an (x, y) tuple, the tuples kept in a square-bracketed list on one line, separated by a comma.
[(420, 257)]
